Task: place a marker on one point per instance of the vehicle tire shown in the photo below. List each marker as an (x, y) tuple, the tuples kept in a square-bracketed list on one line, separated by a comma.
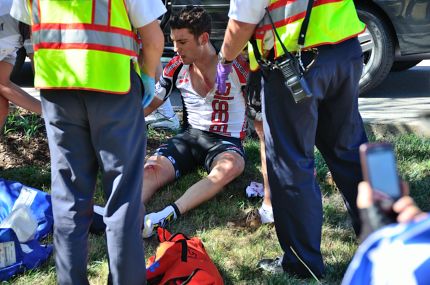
[(404, 65), (378, 49)]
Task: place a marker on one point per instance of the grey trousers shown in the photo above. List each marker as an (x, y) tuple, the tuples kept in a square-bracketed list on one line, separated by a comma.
[(88, 131)]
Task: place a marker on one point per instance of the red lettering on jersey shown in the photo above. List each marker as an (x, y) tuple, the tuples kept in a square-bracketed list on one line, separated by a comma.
[(242, 69), (220, 114), (222, 97), (220, 129)]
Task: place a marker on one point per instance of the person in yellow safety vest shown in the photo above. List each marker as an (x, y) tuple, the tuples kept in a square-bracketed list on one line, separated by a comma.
[(85, 53), (311, 63)]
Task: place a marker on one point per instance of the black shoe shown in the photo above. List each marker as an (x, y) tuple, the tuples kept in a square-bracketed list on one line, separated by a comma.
[(273, 266)]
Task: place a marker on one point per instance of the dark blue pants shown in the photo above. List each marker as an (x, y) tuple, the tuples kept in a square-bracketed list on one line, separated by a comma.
[(88, 131), (330, 121)]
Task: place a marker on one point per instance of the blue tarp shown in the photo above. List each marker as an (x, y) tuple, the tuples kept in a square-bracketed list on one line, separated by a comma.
[(15, 257)]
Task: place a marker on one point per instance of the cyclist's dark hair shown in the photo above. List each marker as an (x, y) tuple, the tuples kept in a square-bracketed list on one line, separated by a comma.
[(193, 18)]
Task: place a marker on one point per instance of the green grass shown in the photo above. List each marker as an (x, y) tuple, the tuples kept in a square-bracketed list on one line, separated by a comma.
[(236, 250), (28, 123)]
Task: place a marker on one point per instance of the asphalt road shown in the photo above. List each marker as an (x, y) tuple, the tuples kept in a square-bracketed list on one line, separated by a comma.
[(414, 82), (398, 104)]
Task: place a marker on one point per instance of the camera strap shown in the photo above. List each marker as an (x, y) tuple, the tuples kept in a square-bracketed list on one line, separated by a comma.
[(300, 42)]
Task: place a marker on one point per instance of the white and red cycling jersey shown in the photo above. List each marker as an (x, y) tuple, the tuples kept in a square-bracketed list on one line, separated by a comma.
[(223, 114)]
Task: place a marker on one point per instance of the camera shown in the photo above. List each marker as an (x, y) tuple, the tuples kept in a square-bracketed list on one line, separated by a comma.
[(294, 80)]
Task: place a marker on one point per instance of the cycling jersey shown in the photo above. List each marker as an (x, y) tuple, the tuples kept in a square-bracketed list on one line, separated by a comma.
[(223, 114)]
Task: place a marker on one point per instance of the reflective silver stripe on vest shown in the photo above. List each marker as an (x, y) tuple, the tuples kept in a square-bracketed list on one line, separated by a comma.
[(102, 12), (76, 36), (35, 12), (285, 12), (101, 16)]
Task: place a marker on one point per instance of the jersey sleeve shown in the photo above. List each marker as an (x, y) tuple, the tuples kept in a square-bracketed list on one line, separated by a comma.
[(166, 84), (241, 66)]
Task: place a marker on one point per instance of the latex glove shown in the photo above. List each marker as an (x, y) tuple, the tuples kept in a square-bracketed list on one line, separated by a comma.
[(149, 89), (222, 72), (253, 94)]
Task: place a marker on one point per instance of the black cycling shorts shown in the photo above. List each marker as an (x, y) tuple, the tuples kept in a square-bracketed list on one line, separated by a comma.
[(192, 148)]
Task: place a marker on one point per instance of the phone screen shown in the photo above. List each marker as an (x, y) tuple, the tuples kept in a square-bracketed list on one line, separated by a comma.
[(381, 164)]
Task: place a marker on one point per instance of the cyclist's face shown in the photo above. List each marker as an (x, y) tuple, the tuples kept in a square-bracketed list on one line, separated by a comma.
[(186, 45)]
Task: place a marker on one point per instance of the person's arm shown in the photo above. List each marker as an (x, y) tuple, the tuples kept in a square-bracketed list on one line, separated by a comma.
[(152, 48), (155, 103), (153, 44), (236, 37), (165, 84)]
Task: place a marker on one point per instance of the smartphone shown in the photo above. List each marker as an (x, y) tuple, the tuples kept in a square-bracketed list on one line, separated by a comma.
[(379, 167)]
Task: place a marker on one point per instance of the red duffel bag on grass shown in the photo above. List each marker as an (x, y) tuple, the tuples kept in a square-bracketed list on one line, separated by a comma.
[(181, 260)]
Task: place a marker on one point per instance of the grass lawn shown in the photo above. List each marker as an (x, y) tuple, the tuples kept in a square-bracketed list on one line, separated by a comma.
[(234, 246)]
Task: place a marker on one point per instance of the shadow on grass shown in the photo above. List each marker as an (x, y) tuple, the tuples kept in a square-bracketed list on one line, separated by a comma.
[(32, 176)]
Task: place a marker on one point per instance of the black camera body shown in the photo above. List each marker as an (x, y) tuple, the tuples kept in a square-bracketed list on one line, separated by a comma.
[(294, 80)]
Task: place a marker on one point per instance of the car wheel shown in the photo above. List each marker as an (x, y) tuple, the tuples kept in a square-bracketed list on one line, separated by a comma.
[(404, 65), (378, 49)]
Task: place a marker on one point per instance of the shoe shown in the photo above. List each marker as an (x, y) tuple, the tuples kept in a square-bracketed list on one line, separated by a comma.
[(149, 228), (266, 214), (159, 121), (151, 224), (273, 266)]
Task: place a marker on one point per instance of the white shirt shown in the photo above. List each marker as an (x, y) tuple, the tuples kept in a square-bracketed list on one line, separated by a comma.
[(247, 11), (140, 12), (10, 38)]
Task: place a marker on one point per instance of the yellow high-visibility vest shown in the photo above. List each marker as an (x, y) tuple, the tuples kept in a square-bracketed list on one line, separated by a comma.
[(82, 44), (331, 21)]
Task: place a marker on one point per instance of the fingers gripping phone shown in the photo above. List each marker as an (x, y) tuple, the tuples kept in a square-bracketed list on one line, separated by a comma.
[(379, 167)]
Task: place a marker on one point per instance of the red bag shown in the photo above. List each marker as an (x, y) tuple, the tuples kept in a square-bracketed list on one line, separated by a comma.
[(181, 260)]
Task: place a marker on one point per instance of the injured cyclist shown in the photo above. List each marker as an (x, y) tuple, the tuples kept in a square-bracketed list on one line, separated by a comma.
[(214, 123)]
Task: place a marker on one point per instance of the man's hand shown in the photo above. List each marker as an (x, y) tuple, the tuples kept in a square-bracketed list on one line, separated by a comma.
[(149, 89), (407, 210), (253, 93), (373, 218), (222, 72)]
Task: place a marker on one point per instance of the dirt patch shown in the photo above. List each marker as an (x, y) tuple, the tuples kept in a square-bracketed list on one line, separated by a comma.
[(18, 149)]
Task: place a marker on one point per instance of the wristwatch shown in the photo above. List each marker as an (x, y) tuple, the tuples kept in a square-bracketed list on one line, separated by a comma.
[(222, 59)]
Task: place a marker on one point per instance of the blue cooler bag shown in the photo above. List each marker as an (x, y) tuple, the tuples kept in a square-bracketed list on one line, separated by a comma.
[(16, 256)]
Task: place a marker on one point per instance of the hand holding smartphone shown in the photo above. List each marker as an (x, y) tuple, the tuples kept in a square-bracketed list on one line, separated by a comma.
[(379, 167)]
